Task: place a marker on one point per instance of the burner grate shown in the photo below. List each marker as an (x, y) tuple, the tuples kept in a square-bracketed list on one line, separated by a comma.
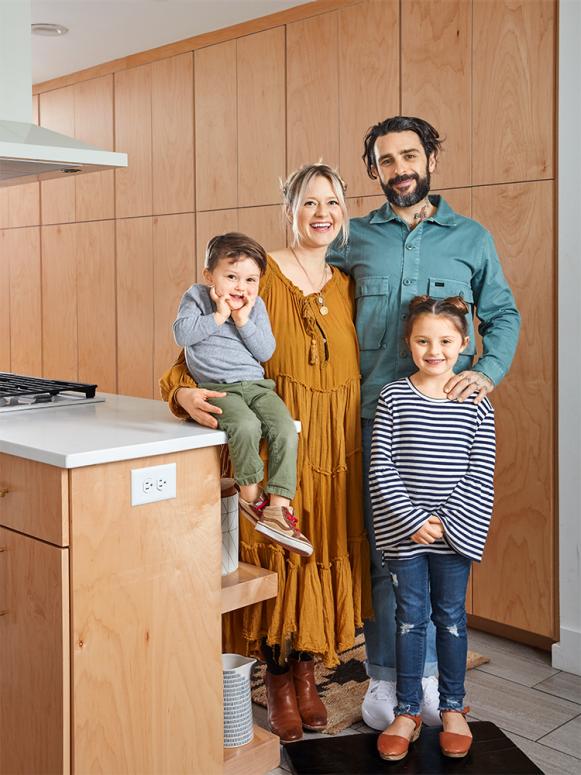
[(14, 387)]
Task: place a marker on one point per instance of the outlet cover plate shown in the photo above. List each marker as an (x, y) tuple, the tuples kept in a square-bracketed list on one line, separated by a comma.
[(154, 483)]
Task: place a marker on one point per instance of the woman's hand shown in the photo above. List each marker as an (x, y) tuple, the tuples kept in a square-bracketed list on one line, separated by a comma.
[(430, 531), (195, 403), (222, 307), (240, 316)]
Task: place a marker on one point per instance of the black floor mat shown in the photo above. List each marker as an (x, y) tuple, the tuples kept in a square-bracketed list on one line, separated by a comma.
[(492, 752)]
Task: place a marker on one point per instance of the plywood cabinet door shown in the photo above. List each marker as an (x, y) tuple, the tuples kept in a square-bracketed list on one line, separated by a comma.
[(172, 115), (57, 197), (216, 133), (34, 655), (312, 91), (436, 78), (261, 117), (134, 185), (368, 82), (513, 90), (22, 248), (515, 584), (59, 302), (174, 270), (135, 307), (95, 198), (4, 303)]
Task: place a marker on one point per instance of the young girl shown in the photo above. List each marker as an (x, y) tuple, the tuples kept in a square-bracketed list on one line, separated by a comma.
[(431, 485)]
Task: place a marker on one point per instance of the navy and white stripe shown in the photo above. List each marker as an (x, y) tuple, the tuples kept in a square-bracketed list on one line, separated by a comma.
[(431, 456)]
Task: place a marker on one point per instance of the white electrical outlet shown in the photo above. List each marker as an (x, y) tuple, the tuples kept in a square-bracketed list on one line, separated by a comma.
[(156, 483)]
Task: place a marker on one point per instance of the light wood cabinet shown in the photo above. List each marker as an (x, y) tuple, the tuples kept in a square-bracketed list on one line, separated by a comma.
[(512, 585), (368, 81), (59, 301), (4, 304), (135, 307), (110, 645), (216, 131), (312, 88), (133, 136), (513, 90), (436, 78), (94, 125), (172, 131), (57, 197), (261, 116), (34, 654)]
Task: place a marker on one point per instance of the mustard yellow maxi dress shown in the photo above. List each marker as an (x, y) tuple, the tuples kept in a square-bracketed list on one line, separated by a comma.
[(324, 598)]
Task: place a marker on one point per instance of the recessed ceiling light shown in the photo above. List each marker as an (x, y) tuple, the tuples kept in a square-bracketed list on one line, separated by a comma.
[(50, 30)]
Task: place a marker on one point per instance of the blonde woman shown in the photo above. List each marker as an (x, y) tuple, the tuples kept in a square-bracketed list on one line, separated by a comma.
[(324, 598)]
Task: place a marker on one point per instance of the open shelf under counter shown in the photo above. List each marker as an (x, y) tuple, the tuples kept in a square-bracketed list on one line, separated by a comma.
[(260, 755), (246, 585)]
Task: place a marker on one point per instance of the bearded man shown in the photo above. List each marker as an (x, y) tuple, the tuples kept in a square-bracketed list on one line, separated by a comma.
[(415, 244)]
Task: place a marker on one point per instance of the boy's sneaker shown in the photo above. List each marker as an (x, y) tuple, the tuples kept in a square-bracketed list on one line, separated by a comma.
[(280, 525), (252, 511)]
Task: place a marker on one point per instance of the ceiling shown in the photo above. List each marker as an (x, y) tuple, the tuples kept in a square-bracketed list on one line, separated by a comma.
[(101, 30)]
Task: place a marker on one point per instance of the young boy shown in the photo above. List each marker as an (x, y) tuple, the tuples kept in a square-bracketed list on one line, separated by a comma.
[(225, 332)]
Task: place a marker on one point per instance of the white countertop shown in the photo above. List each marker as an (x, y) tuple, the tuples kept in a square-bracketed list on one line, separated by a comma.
[(120, 428)]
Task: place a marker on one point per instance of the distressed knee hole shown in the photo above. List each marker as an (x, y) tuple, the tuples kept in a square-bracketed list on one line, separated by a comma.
[(394, 580), (405, 628), (453, 630)]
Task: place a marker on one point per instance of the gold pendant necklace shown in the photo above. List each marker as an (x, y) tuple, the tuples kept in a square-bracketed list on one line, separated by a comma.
[(323, 309)]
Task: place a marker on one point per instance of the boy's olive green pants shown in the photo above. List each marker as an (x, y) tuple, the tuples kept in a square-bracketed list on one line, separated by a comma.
[(251, 411)]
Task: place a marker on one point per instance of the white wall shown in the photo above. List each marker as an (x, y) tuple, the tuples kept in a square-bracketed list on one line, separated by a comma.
[(567, 653)]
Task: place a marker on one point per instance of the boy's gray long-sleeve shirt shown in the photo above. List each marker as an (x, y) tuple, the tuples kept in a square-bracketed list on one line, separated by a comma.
[(222, 353)]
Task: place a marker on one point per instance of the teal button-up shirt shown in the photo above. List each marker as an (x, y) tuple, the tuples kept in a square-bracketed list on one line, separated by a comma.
[(445, 255)]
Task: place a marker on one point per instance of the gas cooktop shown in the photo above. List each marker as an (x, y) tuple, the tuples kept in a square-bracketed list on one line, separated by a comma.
[(19, 392)]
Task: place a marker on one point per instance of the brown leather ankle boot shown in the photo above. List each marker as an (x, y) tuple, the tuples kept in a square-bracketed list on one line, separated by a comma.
[(313, 712), (283, 714)]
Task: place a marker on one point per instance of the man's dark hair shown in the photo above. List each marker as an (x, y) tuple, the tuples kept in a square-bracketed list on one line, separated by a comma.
[(235, 247), (429, 137)]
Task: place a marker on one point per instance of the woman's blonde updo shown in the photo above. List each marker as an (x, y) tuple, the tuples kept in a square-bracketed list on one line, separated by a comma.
[(294, 190)]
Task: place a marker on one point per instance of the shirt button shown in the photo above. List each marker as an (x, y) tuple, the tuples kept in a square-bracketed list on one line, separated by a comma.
[(403, 354), (409, 247), (404, 316), (407, 281)]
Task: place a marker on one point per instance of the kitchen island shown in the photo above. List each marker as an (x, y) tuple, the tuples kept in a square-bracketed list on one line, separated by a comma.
[(110, 633)]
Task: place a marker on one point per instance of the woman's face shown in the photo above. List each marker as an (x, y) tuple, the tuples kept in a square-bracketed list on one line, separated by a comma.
[(319, 218)]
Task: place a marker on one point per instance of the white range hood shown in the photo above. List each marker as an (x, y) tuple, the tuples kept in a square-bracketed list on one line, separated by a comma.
[(29, 152)]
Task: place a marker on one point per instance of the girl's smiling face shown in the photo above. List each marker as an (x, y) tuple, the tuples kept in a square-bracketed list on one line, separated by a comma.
[(435, 344), (236, 281)]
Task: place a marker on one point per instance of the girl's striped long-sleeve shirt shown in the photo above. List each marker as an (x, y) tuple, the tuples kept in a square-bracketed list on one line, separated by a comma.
[(431, 456)]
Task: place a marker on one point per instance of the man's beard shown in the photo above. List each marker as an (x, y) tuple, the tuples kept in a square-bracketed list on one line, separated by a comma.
[(420, 192)]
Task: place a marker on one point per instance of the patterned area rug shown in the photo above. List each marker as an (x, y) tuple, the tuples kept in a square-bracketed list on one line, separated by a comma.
[(343, 688)]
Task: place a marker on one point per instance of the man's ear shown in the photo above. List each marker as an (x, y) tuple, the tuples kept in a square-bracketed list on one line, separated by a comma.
[(432, 162)]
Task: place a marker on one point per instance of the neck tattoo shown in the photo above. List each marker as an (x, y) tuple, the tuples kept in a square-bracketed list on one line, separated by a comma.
[(422, 213), (323, 309)]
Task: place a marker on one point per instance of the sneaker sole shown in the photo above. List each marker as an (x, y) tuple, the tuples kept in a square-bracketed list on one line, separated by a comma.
[(373, 724), (290, 543)]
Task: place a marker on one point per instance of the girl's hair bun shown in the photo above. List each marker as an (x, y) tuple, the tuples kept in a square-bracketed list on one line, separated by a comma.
[(419, 300), (458, 303)]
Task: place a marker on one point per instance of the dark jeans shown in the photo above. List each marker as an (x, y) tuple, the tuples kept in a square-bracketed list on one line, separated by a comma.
[(443, 578)]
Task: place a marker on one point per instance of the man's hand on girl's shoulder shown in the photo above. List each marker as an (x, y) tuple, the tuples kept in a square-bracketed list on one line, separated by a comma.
[(462, 385)]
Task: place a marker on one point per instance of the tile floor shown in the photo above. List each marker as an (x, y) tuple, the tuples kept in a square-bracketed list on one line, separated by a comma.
[(538, 707)]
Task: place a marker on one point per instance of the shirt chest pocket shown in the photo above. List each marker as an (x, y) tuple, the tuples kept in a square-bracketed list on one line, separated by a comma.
[(441, 288), (372, 300)]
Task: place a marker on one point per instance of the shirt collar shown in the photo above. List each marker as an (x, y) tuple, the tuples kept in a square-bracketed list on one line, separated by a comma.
[(444, 214)]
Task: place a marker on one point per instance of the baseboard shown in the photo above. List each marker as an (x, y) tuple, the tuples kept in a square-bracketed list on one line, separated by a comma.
[(511, 633), (566, 654)]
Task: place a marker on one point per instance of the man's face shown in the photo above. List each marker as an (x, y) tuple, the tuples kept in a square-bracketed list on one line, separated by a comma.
[(403, 168)]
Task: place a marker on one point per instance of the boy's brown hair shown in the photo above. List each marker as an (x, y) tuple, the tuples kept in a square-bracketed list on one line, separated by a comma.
[(234, 246)]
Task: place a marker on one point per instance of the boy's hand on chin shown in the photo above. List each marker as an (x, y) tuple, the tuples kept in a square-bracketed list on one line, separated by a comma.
[(240, 316), (222, 307)]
